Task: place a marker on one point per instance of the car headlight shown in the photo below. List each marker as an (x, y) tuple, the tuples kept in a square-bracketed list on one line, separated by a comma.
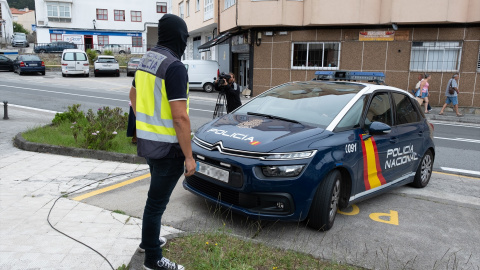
[(282, 171), (292, 155)]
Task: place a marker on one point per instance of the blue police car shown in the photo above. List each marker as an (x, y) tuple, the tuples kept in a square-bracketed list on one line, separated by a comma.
[(302, 150)]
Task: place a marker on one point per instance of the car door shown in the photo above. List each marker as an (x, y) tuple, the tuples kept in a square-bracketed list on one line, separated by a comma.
[(4, 63), (409, 132), (80, 59), (375, 147)]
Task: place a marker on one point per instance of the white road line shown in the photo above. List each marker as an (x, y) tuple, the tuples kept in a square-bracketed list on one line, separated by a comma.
[(458, 139), (31, 108), (460, 170), (454, 124)]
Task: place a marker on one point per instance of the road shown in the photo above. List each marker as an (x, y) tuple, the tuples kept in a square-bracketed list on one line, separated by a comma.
[(407, 228), (458, 145)]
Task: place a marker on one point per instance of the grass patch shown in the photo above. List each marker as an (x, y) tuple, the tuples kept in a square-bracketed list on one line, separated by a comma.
[(222, 251), (61, 135), (119, 212)]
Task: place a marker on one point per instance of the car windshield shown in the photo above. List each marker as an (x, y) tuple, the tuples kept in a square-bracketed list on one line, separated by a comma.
[(18, 37), (30, 58), (310, 103), (106, 60)]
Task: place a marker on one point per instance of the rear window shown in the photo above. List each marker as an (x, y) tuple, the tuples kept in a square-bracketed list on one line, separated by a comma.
[(81, 56), (30, 58), (106, 60), (69, 56)]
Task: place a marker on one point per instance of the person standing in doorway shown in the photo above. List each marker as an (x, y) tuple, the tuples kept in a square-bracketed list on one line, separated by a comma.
[(452, 98), (159, 98)]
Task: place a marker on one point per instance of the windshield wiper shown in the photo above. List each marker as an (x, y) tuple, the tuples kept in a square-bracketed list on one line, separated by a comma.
[(274, 117)]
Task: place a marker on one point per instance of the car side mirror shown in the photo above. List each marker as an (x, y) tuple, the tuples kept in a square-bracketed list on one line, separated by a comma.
[(378, 128)]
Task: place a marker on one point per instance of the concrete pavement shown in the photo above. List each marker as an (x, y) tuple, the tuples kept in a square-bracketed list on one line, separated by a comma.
[(30, 183)]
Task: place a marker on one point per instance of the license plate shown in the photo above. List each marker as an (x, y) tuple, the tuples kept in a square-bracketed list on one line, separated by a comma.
[(70, 67), (33, 65), (212, 171)]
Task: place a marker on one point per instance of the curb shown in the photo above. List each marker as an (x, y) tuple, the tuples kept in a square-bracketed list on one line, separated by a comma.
[(23, 144), (464, 119)]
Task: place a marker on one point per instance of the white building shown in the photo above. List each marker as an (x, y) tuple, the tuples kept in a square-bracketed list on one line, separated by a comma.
[(93, 23), (6, 24)]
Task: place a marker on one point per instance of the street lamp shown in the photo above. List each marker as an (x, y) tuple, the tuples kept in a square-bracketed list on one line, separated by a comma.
[(94, 24)]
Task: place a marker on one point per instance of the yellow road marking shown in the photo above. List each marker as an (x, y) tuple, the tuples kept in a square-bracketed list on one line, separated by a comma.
[(112, 187), (451, 174)]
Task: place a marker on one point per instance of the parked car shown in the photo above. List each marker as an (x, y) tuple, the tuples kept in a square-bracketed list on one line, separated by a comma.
[(132, 66), (75, 62), (201, 73), (115, 48), (302, 150), (106, 64), (28, 64), (20, 41), (6, 63), (57, 46)]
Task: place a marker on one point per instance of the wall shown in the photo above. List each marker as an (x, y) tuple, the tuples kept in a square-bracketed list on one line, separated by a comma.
[(272, 59), (7, 28), (26, 20)]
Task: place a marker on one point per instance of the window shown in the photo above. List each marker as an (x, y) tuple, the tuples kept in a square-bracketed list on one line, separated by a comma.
[(119, 15), (187, 7), (81, 57), (405, 110), (102, 14), (136, 16), (180, 10), (435, 56), (197, 6), (102, 40), (208, 10), (136, 41), (161, 7), (351, 119), (59, 12), (315, 55), (379, 110), (55, 37), (229, 3)]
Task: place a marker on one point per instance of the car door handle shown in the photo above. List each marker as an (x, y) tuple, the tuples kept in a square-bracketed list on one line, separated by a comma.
[(394, 140), (420, 133)]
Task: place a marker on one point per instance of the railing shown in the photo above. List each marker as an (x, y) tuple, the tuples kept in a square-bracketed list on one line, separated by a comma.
[(115, 48)]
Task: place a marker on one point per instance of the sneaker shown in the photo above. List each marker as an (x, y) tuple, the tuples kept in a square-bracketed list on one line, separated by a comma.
[(163, 264), (162, 239)]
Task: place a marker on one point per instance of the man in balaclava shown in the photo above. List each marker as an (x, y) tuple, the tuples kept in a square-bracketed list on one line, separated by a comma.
[(159, 97)]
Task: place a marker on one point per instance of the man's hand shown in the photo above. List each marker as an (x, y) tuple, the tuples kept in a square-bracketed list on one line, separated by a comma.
[(190, 166)]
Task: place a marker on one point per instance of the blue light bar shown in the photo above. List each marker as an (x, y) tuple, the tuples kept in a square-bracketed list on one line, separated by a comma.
[(350, 76)]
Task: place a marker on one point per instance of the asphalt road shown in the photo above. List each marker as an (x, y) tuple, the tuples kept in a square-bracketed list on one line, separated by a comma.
[(407, 228)]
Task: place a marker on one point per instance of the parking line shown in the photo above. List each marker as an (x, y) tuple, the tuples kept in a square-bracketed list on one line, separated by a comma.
[(451, 174), (112, 187)]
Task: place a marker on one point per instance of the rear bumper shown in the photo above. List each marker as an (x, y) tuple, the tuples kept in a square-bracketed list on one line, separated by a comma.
[(73, 71), (107, 71), (32, 69)]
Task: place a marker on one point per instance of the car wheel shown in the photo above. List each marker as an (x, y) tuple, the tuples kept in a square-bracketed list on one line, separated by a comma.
[(43, 72), (325, 203), (208, 87), (98, 52), (20, 72), (121, 52), (64, 75), (42, 51), (87, 75), (95, 74), (424, 171), (117, 74)]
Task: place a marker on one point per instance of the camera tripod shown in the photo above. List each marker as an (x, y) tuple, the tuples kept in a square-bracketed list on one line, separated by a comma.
[(220, 105)]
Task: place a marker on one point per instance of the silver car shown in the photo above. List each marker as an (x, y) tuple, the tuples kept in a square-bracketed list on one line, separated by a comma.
[(20, 41)]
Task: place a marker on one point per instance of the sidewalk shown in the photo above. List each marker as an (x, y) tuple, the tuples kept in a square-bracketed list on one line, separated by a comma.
[(30, 182)]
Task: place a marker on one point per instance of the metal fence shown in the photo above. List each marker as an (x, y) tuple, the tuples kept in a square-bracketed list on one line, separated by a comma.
[(58, 47)]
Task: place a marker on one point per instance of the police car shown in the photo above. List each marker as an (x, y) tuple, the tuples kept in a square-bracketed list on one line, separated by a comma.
[(302, 150)]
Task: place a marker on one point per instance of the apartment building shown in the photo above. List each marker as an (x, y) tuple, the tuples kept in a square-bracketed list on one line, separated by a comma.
[(93, 24), (275, 41), (24, 17), (6, 23)]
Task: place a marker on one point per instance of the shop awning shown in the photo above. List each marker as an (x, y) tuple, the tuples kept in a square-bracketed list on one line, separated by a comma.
[(206, 46)]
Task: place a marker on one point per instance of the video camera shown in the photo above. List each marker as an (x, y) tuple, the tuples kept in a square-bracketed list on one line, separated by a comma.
[(223, 78)]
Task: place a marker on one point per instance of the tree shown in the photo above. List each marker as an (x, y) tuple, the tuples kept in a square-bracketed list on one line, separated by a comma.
[(19, 28), (22, 4)]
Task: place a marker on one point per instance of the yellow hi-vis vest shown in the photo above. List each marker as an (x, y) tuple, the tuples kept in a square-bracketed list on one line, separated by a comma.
[(155, 131)]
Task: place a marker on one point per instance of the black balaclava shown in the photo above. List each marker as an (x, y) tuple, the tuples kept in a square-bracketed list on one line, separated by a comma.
[(173, 33)]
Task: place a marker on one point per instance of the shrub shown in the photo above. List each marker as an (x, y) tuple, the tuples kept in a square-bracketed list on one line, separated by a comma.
[(73, 114), (92, 55), (107, 52)]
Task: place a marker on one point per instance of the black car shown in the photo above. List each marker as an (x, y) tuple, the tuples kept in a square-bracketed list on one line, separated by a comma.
[(28, 64), (57, 46), (6, 63)]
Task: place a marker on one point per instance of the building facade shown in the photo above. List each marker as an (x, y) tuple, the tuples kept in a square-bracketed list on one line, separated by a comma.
[(6, 23), (93, 24), (25, 17), (276, 41)]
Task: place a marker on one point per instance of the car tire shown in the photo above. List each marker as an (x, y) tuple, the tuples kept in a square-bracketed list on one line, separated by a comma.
[(42, 51), (98, 52), (208, 87), (64, 75), (87, 75), (424, 171), (95, 74), (117, 74), (43, 73), (325, 202), (20, 72), (121, 52)]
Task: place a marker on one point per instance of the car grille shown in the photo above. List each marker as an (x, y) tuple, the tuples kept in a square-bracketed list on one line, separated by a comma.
[(222, 194)]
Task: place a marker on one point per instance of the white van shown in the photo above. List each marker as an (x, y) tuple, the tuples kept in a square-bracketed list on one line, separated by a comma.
[(75, 61), (201, 73)]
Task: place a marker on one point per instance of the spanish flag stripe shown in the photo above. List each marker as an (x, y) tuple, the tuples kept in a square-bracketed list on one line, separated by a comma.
[(365, 165), (379, 169), (372, 164)]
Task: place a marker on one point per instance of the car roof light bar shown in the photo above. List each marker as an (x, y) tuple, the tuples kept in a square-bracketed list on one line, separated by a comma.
[(344, 75)]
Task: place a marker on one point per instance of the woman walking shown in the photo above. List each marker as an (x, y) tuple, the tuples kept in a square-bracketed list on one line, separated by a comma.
[(423, 91)]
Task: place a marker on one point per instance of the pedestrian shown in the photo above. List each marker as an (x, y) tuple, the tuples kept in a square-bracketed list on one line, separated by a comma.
[(417, 88), (159, 96), (422, 93), (452, 98), (232, 94)]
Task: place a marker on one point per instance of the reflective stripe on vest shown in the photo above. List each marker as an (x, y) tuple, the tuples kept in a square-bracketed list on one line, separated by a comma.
[(154, 116)]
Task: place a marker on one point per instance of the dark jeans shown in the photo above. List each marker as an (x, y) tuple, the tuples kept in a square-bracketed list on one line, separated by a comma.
[(164, 176)]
